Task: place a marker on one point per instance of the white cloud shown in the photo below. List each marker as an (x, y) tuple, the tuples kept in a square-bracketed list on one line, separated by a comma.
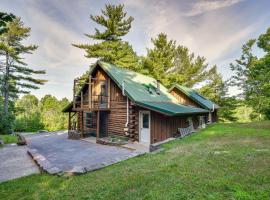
[(211, 35), (201, 7), (215, 35)]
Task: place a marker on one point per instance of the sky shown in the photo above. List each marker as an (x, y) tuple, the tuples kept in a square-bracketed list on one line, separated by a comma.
[(215, 29)]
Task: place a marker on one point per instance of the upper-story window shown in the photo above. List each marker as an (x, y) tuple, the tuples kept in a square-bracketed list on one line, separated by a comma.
[(103, 88)]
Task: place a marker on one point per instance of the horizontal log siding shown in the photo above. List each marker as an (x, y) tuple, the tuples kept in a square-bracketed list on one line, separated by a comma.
[(118, 111), (183, 98)]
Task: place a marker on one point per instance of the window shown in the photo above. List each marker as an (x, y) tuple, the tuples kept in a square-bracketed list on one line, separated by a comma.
[(103, 88), (189, 119), (145, 121), (89, 120)]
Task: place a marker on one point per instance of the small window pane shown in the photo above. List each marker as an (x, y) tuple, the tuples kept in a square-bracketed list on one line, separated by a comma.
[(145, 120)]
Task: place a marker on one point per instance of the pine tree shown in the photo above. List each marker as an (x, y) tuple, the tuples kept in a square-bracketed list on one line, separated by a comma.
[(111, 48), (4, 19), (16, 76), (160, 58), (173, 64)]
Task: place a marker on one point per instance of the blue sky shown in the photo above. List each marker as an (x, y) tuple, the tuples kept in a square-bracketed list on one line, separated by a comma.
[(215, 29)]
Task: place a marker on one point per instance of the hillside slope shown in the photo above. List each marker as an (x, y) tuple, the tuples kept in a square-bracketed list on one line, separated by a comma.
[(224, 161)]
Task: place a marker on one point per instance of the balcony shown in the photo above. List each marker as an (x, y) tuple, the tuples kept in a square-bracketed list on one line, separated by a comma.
[(98, 102)]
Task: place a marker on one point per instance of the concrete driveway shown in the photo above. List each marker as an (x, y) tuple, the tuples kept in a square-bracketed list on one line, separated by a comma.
[(56, 154), (15, 163)]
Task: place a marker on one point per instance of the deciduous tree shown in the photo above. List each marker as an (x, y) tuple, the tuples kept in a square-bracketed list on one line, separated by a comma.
[(252, 75)]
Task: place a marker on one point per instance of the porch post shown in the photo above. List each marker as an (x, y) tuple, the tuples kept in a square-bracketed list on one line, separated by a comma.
[(98, 119), (90, 92), (69, 121), (82, 130), (74, 91), (81, 100)]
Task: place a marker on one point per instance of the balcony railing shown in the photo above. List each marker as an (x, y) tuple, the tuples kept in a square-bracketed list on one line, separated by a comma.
[(100, 101), (97, 102)]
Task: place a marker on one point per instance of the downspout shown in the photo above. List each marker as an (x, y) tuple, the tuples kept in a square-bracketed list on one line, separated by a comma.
[(126, 125), (210, 113), (213, 108), (123, 93)]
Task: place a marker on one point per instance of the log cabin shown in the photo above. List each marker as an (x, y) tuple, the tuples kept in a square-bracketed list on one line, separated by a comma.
[(118, 101), (188, 96)]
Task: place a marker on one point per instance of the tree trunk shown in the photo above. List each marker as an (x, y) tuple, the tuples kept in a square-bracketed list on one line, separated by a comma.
[(6, 86)]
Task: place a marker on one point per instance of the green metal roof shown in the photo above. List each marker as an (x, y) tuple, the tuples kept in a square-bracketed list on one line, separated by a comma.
[(142, 90), (195, 96), (172, 109)]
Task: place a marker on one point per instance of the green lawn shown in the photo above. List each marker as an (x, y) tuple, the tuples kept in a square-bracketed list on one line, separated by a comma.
[(9, 139), (224, 161)]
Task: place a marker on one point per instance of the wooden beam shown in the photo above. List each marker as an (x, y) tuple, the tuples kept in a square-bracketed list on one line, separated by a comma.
[(69, 121), (74, 83), (81, 99), (98, 123), (82, 128), (109, 92), (90, 92)]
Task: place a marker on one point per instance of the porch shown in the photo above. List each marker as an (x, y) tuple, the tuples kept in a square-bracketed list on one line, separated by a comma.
[(88, 123)]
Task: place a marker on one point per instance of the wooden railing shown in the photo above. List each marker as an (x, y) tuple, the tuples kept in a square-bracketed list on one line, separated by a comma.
[(99, 102)]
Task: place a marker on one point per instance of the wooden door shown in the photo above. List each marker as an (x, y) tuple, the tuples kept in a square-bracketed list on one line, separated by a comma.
[(103, 124)]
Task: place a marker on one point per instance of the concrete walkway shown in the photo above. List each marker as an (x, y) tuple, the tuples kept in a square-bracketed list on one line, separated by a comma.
[(15, 163), (56, 154)]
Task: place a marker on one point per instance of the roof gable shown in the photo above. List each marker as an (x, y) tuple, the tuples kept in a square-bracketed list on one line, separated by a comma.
[(195, 96)]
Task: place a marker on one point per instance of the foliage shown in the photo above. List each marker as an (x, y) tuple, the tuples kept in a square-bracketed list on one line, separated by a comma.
[(111, 48), (252, 75), (8, 139), (28, 115), (4, 19), (33, 114), (243, 112), (223, 161), (6, 120), (160, 58), (51, 113), (15, 75), (173, 64)]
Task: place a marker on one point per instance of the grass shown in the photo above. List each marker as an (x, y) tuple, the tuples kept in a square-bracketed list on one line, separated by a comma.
[(9, 139), (224, 161)]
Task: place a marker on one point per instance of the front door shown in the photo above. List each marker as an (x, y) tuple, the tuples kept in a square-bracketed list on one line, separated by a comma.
[(145, 126), (103, 124)]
